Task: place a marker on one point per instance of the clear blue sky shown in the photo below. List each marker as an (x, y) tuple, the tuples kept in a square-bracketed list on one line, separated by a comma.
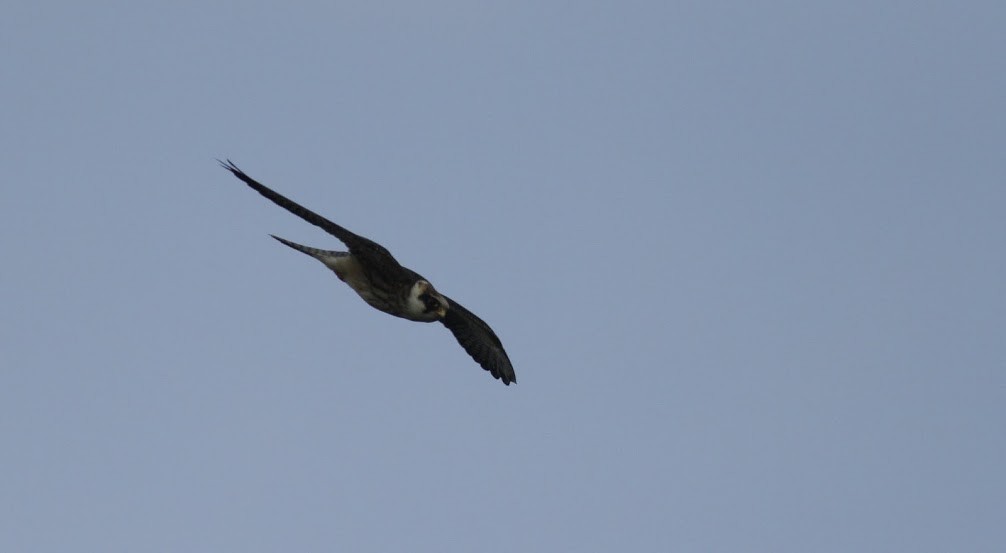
[(748, 259)]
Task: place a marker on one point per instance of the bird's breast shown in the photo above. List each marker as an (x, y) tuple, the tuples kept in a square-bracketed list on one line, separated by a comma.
[(350, 271)]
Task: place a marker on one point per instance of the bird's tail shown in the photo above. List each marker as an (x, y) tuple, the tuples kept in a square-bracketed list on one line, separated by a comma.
[(320, 255)]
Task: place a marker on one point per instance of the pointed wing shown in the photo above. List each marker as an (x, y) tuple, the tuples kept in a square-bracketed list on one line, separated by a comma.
[(358, 245), (479, 341)]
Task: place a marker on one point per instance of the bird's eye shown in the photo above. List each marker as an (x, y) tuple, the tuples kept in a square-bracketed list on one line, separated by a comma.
[(429, 301)]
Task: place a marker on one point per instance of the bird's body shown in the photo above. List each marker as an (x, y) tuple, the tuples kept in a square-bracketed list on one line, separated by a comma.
[(377, 277), (394, 296)]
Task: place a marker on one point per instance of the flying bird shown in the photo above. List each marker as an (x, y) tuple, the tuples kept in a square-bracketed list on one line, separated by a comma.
[(373, 273)]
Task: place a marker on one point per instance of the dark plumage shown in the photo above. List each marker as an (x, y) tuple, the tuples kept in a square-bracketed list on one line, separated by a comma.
[(385, 284)]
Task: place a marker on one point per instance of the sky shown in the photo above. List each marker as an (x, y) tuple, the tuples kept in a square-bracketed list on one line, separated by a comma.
[(747, 259)]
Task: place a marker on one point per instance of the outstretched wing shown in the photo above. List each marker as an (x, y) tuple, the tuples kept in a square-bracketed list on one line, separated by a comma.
[(358, 245), (479, 341)]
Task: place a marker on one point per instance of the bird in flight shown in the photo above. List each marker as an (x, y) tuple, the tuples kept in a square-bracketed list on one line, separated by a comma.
[(373, 273)]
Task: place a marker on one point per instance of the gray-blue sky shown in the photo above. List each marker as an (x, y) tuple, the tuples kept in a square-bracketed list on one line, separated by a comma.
[(747, 258)]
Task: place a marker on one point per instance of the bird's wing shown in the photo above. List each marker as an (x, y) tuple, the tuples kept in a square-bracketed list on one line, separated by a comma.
[(358, 245), (479, 341)]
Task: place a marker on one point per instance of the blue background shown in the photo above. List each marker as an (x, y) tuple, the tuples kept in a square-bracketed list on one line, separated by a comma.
[(747, 258)]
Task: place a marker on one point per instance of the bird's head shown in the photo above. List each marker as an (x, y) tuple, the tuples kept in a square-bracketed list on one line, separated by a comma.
[(425, 303)]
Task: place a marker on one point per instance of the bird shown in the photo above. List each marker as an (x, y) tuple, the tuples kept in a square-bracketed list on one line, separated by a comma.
[(377, 277)]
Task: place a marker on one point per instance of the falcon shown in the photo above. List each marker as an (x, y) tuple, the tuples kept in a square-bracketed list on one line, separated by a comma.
[(373, 273)]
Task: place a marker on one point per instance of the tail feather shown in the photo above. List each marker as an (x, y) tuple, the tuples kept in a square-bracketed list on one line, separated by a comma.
[(320, 255)]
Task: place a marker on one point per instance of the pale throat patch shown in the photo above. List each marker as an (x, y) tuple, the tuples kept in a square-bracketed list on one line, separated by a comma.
[(413, 303)]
